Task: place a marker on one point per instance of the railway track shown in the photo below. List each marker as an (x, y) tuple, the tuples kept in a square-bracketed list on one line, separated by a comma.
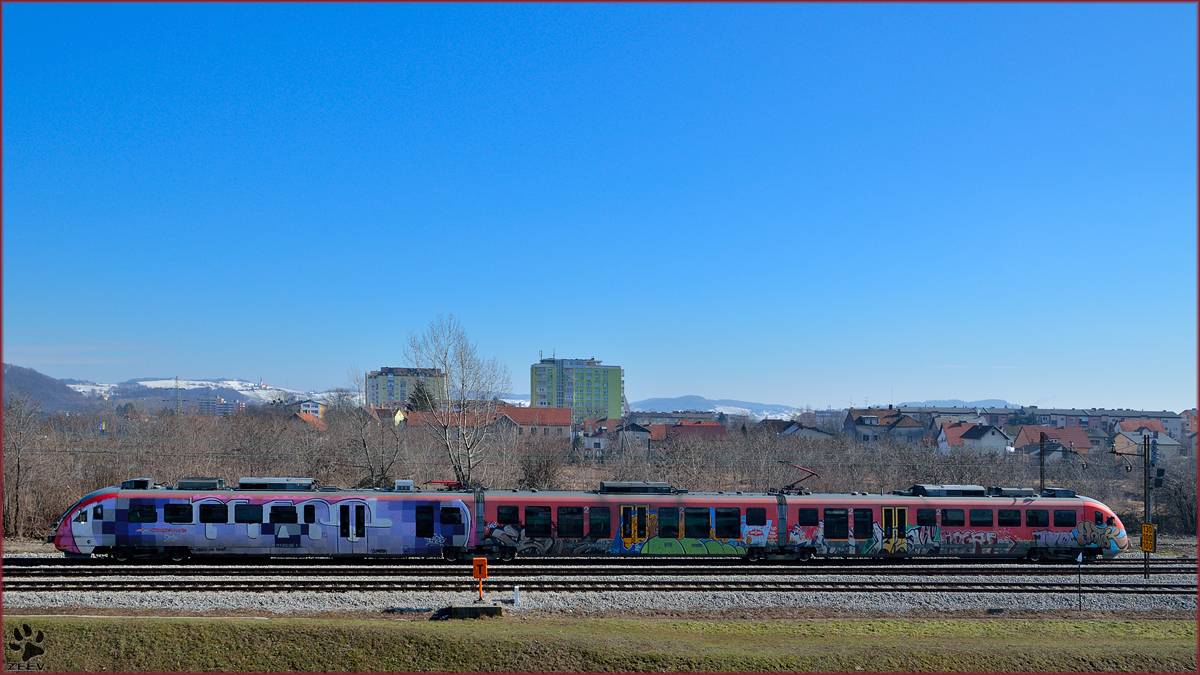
[(625, 585), (507, 570)]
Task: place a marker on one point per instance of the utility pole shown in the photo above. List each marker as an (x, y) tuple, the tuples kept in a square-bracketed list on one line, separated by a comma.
[(1145, 454), (1042, 461)]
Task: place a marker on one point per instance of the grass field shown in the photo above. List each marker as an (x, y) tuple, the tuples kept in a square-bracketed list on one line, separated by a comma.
[(144, 644)]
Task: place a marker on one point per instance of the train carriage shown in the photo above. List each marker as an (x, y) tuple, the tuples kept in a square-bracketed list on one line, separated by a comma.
[(291, 517)]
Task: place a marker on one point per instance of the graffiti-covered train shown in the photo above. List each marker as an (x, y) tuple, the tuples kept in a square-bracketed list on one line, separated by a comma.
[(291, 517)]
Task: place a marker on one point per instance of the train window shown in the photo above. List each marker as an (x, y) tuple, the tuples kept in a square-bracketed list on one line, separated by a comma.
[(756, 517), (247, 513), (284, 514), (1064, 518), (570, 521), (926, 518), (729, 523), (696, 523), (627, 522), (1099, 517), (81, 517), (641, 522), (360, 520), (177, 513), (98, 512), (1009, 518), (600, 522), (807, 517), (508, 515), (1037, 518), (981, 517), (424, 521), (310, 514), (450, 515), (862, 524), (668, 523), (143, 513), (537, 522), (837, 524), (952, 518), (214, 513)]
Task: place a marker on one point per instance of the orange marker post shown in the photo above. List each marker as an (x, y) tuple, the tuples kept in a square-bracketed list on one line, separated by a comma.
[(480, 574)]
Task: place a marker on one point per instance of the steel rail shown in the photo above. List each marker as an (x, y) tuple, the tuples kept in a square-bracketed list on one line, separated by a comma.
[(573, 586), (635, 561), (451, 572)]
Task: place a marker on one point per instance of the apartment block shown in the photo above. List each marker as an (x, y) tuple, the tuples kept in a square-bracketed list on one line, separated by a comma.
[(392, 386), (586, 386)]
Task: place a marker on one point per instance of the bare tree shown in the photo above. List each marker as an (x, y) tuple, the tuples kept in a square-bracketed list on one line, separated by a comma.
[(20, 436), (469, 405)]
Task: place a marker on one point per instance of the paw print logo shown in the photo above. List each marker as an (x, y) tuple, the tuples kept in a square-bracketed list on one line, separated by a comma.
[(27, 642)]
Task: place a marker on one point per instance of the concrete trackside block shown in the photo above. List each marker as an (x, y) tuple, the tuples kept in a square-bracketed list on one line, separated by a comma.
[(467, 612)]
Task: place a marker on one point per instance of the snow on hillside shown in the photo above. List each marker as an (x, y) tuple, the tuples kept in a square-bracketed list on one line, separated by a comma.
[(93, 389)]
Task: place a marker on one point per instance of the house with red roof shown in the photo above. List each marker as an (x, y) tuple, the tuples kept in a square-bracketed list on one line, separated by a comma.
[(1060, 440), (870, 425)]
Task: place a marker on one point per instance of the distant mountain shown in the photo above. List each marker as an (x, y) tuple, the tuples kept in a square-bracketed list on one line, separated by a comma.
[(725, 405), (955, 403), (48, 392)]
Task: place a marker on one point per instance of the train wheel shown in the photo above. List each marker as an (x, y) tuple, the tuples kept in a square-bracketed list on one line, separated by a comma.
[(178, 555), (754, 554), (508, 553), (450, 554), (804, 555), (121, 554), (1037, 555)]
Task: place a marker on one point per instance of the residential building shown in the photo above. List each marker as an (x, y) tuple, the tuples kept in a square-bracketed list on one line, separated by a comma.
[(1188, 422), (1058, 439), (1134, 441), (1064, 417), (696, 429), (986, 437), (537, 423), (797, 430), (586, 386), (997, 417), (1172, 422), (950, 435), (211, 405), (390, 387), (870, 425), (776, 427), (312, 408), (309, 419), (631, 437)]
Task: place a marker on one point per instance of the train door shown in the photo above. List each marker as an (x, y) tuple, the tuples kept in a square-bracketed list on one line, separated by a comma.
[(895, 530), (634, 524), (352, 527)]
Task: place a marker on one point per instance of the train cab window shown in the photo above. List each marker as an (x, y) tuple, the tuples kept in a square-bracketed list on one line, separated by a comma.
[(1064, 518), (283, 514), (807, 517), (926, 518), (837, 524), (668, 523), (177, 513), (508, 515), (247, 513), (424, 521), (981, 517), (214, 513), (756, 517), (696, 523), (98, 512), (450, 515), (81, 517), (862, 524), (729, 523), (310, 514), (952, 518), (143, 513), (570, 521), (1008, 517), (600, 522), (1098, 517), (1037, 518), (537, 522)]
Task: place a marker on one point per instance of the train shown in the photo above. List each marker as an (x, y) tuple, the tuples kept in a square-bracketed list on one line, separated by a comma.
[(286, 517)]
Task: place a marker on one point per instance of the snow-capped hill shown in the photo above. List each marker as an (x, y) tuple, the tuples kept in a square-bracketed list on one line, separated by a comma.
[(255, 392)]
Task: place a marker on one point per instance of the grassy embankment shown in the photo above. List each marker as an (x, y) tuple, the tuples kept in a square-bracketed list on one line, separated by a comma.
[(136, 644)]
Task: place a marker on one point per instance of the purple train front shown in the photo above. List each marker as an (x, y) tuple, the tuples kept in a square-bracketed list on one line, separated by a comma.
[(264, 516)]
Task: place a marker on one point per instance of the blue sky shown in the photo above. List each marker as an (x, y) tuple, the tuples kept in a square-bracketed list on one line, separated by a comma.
[(798, 204)]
